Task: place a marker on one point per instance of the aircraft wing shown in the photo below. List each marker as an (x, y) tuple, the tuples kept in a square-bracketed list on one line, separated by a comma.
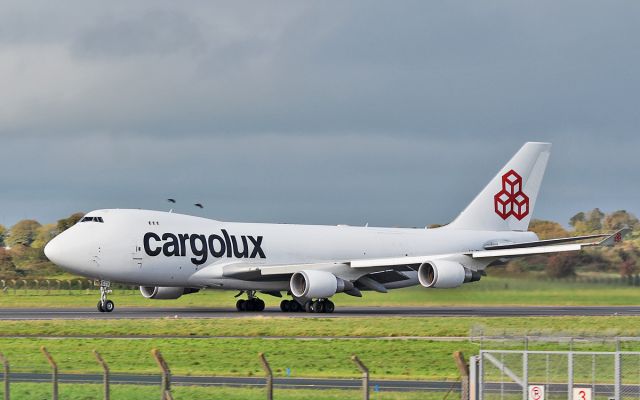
[(550, 246), (255, 271)]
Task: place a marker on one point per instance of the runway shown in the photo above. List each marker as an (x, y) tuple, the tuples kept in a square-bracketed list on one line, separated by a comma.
[(341, 312)]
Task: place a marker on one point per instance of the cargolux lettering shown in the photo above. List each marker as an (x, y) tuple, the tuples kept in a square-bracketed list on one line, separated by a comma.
[(201, 246)]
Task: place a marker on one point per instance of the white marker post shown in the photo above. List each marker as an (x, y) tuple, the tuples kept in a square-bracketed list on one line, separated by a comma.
[(582, 393), (536, 392)]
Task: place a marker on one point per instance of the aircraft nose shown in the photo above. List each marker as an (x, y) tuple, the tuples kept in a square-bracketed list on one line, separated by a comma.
[(53, 251)]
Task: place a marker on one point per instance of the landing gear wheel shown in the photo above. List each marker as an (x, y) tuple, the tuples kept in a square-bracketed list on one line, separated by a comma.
[(108, 306), (319, 306), (329, 306), (252, 304), (308, 306), (105, 305), (285, 305), (294, 306)]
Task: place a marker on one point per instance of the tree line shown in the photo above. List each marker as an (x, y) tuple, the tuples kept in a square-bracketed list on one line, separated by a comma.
[(22, 247)]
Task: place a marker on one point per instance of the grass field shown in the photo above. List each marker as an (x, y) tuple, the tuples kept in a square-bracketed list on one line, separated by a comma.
[(259, 326), (126, 344), (41, 391), (491, 291)]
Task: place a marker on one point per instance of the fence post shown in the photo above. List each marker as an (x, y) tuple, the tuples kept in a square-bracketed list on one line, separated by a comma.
[(464, 374), (570, 373), (166, 375), (618, 374), (54, 374), (474, 376), (525, 373), (5, 365), (365, 376), (105, 368), (267, 370)]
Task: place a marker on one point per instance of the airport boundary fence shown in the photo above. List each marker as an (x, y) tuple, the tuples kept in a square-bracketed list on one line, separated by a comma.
[(551, 375), (100, 382), (506, 367)]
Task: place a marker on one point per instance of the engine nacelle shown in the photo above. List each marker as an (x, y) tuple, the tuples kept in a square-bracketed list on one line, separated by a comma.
[(165, 293), (317, 284), (445, 274)]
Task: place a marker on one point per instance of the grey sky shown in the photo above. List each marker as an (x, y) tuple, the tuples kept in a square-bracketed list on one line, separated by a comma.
[(392, 113)]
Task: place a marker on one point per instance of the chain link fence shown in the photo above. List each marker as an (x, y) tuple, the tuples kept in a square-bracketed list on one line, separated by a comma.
[(557, 375)]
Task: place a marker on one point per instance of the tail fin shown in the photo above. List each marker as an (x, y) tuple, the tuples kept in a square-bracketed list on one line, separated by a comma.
[(507, 202)]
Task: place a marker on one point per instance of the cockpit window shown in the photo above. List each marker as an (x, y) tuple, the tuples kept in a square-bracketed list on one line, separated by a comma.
[(92, 219)]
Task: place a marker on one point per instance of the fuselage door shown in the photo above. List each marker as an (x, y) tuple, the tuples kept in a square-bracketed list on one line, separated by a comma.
[(137, 255)]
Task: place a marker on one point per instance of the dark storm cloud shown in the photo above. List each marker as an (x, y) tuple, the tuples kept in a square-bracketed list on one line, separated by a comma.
[(342, 112)]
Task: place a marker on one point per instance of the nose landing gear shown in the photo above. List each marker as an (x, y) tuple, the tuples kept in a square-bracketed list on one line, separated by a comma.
[(105, 305)]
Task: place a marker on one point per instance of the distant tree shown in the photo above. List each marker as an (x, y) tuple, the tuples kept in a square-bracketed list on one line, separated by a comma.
[(44, 234), (579, 217), (7, 268), (590, 222), (619, 219), (594, 220), (561, 265), (24, 233), (3, 233), (547, 229), (24, 256), (66, 223), (627, 263)]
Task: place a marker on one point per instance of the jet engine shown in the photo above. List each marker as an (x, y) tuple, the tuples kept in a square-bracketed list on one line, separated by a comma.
[(317, 284), (165, 293), (445, 274)]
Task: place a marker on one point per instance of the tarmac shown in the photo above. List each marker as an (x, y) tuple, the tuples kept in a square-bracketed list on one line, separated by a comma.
[(89, 313)]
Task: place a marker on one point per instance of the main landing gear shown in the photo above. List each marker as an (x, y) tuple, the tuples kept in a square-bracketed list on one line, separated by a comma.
[(105, 305), (251, 304), (317, 306)]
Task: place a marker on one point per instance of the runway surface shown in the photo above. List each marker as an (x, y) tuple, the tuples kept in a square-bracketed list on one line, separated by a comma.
[(341, 312)]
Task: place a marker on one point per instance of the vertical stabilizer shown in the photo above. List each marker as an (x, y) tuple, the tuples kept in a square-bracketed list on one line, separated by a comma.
[(507, 202)]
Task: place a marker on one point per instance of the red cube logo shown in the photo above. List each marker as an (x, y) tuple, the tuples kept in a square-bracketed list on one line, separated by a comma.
[(511, 200)]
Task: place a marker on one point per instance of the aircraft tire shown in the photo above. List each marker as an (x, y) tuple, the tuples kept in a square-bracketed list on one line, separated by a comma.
[(100, 306), (308, 306), (259, 306), (109, 306), (329, 307), (240, 305), (284, 306), (294, 306)]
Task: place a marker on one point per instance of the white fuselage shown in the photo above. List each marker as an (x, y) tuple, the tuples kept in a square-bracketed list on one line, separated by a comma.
[(153, 248)]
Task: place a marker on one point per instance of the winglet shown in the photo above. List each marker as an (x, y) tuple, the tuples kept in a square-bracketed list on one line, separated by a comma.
[(615, 238)]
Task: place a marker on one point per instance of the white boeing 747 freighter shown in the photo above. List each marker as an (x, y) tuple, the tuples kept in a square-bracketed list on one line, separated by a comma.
[(170, 255)]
